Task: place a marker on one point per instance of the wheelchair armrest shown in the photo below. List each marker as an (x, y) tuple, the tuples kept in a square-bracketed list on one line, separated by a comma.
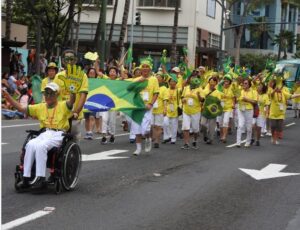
[(67, 135), (34, 132)]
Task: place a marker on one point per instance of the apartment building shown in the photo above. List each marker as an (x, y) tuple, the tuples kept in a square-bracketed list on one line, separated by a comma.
[(199, 27)]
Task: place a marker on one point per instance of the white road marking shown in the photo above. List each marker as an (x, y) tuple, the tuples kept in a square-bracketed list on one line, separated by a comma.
[(268, 172), (235, 144), (4, 143), (118, 135), (288, 125), (21, 125), (106, 155), (25, 219)]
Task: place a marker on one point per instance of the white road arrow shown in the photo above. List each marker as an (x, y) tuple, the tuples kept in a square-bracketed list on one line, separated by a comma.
[(106, 155), (268, 172)]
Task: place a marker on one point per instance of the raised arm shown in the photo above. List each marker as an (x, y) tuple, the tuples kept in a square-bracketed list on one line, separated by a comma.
[(13, 102)]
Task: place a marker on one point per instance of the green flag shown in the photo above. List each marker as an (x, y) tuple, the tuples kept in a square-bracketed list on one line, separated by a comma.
[(123, 96), (129, 56), (212, 107), (185, 69)]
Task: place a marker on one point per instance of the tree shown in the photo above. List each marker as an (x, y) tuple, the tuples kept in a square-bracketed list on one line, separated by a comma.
[(256, 62), (260, 31), (284, 40), (174, 34), (123, 27), (248, 6), (8, 19)]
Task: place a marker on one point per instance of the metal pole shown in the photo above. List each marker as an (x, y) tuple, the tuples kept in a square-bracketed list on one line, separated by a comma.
[(131, 37), (221, 37), (103, 33)]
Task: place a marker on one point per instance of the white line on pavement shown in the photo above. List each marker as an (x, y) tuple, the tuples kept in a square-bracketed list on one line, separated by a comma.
[(118, 135), (25, 219), (12, 126), (4, 143), (235, 144), (288, 125)]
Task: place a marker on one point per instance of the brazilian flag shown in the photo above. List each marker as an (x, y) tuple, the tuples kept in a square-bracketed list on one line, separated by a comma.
[(123, 96), (212, 107)]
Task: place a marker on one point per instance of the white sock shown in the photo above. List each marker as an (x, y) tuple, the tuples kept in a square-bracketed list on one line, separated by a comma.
[(139, 146)]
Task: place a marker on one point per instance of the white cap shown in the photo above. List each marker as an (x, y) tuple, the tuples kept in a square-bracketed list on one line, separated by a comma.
[(176, 69), (53, 86), (201, 67)]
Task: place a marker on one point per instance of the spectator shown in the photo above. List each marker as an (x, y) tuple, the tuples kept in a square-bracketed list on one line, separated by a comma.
[(12, 81)]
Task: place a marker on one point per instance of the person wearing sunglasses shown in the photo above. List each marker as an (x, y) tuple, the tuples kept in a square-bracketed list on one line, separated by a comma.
[(54, 120), (72, 71)]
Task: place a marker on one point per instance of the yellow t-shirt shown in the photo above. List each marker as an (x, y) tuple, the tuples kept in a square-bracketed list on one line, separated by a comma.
[(215, 93), (151, 89), (250, 94), (179, 82), (296, 89), (263, 101), (278, 103), (54, 118), (84, 88), (227, 100), (158, 106), (173, 102), (192, 104), (59, 82)]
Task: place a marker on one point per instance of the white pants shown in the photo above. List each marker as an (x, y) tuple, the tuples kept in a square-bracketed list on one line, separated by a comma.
[(260, 121), (157, 120), (191, 122), (37, 149), (208, 127), (145, 126), (109, 122), (170, 128), (245, 119), (225, 118)]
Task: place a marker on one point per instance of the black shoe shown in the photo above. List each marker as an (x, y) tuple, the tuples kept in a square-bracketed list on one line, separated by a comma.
[(112, 139), (39, 184), (23, 184), (103, 141), (156, 145), (218, 133), (166, 141), (50, 179), (185, 146), (257, 143), (205, 139), (209, 142), (173, 143), (194, 145), (132, 141), (252, 141)]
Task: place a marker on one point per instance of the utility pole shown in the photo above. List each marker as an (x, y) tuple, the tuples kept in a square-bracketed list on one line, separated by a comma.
[(131, 37), (103, 34), (220, 59)]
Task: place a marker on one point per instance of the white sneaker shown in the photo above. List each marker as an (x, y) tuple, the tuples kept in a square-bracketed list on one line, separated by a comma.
[(247, 145), (137, 152), (148, 145), (269, 134)]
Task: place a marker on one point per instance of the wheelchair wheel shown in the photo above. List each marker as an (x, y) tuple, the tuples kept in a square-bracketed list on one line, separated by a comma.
[(70, 167)]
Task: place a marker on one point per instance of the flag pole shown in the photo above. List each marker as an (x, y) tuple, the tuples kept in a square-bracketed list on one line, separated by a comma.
[(131, 37)]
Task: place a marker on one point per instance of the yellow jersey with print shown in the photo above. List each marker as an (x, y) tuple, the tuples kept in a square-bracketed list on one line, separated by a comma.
[(179, 82), (227, 100), (263, 102), (250, 94), (53, 118), (158, 106), (296, 90), (174, 102), (151, 88), (59, 82), (84, 88), (278, 102), (236, 89), (192, 105)]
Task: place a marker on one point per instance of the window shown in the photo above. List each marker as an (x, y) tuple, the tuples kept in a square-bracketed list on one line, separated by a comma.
[(94, 2), (211, 8), (213, 40), (158, 3), (267, 11)]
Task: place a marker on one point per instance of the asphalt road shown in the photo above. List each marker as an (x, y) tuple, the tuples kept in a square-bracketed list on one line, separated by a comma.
[(168, 188)]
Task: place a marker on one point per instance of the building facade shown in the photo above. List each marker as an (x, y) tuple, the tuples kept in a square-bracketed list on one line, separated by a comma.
[(199, 29), (280, 14)]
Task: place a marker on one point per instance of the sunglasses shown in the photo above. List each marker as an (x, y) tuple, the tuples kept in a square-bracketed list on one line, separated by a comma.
[(69, 59), (49, 94)]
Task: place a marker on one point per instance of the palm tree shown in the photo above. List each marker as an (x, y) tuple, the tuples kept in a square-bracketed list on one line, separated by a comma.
[(123, 27), (174, 34), (260, 31), (284, 40), (8, 18), (112, 26)]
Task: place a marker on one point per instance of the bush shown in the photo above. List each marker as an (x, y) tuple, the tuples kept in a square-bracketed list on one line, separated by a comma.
[(256, 62)]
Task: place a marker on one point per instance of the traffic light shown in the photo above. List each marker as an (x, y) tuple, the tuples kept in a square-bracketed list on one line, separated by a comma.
[(138, 18)]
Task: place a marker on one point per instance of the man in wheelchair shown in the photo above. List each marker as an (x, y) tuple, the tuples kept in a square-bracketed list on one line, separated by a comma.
[(54, 119)]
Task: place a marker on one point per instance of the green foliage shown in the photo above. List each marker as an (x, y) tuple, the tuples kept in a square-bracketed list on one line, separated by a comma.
[(257, 62), (284, 40)]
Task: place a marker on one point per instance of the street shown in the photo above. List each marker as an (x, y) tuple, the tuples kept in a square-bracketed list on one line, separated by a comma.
[(168, 188)]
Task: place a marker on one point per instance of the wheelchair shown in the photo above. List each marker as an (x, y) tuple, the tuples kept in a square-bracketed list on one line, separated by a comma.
[(64, 163)]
